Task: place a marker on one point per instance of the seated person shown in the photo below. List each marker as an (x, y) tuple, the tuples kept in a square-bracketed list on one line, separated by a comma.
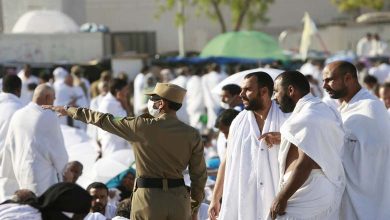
[(61, 201), (121, 186), (99, 204)]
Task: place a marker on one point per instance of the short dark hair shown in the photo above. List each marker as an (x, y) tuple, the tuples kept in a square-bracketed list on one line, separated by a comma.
[(226, 117), (97, 185), (386, 85), (370, 79), (116, 85), (214, 67), (345, 67), (44, 76), (263, 80), (295, 79), (124, 208), (11, 83), (173, 105), (233, 89)]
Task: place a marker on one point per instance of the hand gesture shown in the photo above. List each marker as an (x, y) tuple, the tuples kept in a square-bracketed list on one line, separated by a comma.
[(271, 138), (214, 208), (59, 109), (278, 207)]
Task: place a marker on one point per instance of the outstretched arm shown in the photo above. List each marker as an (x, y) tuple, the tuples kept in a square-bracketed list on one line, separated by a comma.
[(125, 127)]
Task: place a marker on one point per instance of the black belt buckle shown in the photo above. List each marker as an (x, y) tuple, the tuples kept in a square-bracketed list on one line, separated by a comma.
[(158, 183)]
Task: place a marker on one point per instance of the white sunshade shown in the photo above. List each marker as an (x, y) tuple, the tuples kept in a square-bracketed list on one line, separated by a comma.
[(238, 78)]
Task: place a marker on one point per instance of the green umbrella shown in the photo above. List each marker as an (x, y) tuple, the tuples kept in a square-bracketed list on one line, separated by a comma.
[(244, 44)]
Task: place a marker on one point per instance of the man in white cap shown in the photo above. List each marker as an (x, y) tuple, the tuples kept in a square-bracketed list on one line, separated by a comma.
[(164, 147), (66, 94)]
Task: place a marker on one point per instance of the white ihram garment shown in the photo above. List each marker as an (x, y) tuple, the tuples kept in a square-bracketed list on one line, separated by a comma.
[(211, 100), (316, 129), (366, 158), (252, 174), (182, 114), (195, 102), (34, 156)]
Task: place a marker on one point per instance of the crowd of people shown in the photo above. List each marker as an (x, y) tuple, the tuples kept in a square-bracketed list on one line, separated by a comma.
[(310, 143)]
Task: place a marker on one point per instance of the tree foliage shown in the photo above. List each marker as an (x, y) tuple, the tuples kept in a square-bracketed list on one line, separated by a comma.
[(244, 12), (352, 5)]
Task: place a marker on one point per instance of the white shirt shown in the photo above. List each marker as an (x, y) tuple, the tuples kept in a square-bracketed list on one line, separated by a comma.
[(138, 93), (65, 94), (92, 130), (363, 47), (109, 214), (111, 142)]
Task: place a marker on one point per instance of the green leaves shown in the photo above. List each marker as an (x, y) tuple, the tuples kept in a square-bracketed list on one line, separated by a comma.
[(350, 5), (243, 12)]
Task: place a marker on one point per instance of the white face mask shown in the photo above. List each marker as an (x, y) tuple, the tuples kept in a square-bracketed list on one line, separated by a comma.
[(154, 112), (224, 105)]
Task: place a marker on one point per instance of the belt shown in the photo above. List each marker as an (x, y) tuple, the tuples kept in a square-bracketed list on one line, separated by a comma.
[(158, 183)]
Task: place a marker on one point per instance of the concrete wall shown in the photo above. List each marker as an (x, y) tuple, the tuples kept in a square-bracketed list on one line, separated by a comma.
[(338, 38), (285, 14), (138, 15), (51, 48)]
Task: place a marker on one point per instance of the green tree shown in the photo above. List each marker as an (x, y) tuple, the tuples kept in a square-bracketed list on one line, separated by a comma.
[(246, 12), (357, 5)]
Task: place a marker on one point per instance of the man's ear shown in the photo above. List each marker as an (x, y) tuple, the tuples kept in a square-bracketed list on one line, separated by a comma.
[(347, 77), (291, 90), (163, 104), (264, 90)]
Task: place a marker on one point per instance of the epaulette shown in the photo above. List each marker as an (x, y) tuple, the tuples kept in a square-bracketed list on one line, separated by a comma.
[(146, 115)]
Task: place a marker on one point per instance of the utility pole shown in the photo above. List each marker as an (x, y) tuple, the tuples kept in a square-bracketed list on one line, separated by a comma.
[(180, 29)]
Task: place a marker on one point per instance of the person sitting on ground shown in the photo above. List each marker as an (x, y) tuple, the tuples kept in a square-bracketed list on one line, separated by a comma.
[(121, 186), (99, 204), (62, 201), (22, 196), (123, 210), (73, 171)]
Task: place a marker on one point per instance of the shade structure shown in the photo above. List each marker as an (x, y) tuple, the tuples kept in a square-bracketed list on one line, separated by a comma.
[(238, 78), (244, 44), (374, 17)]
